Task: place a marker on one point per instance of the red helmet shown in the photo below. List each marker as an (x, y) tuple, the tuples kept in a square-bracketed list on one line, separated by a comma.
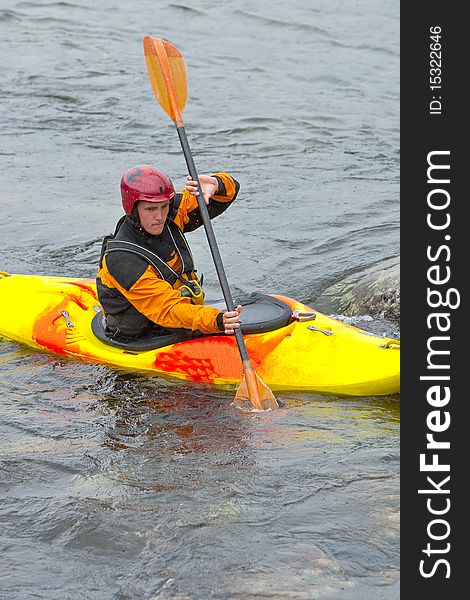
[(145, 183)]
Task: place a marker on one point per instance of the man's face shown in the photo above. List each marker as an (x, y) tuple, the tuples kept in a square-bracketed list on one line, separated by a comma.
[(153, 215)]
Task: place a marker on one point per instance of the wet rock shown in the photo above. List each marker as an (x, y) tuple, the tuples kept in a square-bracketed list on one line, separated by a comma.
[(374, 292)]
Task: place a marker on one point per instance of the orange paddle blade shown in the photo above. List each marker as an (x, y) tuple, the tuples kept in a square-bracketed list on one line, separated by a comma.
[(253, 390), (167, 74)]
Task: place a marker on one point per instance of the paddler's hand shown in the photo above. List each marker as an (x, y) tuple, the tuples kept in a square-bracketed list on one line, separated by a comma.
[(209, 185), (231, 320)]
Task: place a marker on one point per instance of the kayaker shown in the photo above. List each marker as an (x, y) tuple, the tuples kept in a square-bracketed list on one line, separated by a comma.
[(147, 282)]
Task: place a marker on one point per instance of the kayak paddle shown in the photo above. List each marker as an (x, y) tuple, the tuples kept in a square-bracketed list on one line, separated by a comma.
[(167, 75)]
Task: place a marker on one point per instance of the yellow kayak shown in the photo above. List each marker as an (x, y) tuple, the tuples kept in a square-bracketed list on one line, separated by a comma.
[(292, 346)]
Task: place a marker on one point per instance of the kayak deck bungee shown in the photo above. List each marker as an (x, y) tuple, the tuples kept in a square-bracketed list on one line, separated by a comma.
[(307, 351)]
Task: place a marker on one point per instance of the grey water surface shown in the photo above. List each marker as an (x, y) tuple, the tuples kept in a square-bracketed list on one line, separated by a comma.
[(118, 486)]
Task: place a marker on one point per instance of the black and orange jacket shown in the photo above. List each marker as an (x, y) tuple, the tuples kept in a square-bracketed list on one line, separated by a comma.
[(135, 293)]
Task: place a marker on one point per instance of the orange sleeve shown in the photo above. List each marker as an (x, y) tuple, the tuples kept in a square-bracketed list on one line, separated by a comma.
[(228, 187), (187, 217), (158, 301)]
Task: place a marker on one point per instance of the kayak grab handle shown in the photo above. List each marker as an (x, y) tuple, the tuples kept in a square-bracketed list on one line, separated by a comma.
[(68, 322), (394, 344), (298, 315), (313, 328)]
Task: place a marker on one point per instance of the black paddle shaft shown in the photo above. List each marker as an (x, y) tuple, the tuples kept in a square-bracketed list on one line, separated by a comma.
[(219, 267)]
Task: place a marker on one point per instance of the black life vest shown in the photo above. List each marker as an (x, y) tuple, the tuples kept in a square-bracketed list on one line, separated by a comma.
[(123, 319), (127, 240)]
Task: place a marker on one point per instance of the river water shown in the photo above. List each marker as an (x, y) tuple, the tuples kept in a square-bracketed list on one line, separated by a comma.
[(119, 486)]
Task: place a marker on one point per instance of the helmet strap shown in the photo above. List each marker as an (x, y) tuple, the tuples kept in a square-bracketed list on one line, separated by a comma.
[(134, 216)]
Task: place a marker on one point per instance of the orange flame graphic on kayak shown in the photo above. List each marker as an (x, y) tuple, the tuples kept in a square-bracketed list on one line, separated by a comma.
[(208, 359)]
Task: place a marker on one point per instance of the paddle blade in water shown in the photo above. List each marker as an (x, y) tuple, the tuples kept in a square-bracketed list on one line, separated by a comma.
[(167, 75), (253, 390)]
